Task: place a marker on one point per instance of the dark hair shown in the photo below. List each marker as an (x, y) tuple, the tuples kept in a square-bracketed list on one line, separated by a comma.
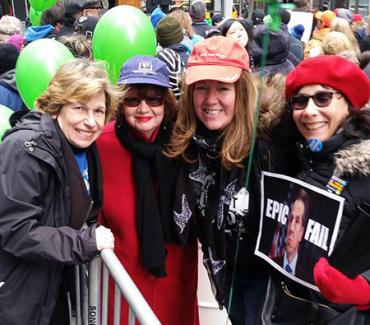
[(299, 194), (364, 59), (357, 124), (170, 105), (248, 26), (53, 15)]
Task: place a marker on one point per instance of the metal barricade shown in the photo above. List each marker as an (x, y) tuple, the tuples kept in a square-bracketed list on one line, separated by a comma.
[(92, 293)]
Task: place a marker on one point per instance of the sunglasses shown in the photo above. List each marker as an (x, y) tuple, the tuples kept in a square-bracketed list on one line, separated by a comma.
[(321, 99), (152, 101)]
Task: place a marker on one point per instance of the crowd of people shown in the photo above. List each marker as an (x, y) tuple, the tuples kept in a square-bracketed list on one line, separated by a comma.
[(173, 156)]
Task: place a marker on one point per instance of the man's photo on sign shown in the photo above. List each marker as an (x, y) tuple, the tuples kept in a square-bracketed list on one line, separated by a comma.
[(298, 225)]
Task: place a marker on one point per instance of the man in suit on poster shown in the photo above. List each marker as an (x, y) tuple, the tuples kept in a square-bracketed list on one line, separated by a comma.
[(297, 220)]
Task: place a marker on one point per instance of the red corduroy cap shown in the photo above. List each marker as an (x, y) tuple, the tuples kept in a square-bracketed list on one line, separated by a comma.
[(332, 71), (217, 58)]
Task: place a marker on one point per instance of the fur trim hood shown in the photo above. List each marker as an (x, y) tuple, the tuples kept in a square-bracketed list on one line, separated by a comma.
[(353, 160)]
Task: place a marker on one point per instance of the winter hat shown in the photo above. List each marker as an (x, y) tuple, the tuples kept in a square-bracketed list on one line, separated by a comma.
[(85, 25), (156, 16), (344, 13), (257, 16), (332, 71), (169, 31), (217, 58), (197, 9), (142, 69), (325, 17), (217, 18), (8, 57), (73, 6), (297, 31), (335, 42), (357, 18)]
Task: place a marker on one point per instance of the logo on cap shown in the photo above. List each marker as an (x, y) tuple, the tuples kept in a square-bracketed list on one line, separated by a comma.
[(145, 67)]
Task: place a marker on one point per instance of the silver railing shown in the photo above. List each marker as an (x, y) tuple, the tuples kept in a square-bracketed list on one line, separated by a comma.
[(92, 293)]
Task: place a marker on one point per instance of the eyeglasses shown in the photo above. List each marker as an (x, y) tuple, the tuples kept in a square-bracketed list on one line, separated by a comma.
[(321, 99), (150, 101)]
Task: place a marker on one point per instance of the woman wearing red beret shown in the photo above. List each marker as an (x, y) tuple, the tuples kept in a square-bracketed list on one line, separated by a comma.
[(327, 96)]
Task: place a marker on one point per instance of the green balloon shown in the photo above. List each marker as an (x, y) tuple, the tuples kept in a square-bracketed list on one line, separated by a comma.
[(35, 17), (5, 113), (36, 66), (41, 5), (121, 33)]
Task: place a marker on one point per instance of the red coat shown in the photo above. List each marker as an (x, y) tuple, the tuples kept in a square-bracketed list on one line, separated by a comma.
[(172, 298)]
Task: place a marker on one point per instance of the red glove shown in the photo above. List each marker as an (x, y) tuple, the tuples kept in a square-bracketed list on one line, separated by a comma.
[(338, 288)]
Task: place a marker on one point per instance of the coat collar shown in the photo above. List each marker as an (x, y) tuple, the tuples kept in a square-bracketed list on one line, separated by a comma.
[(353, 160)]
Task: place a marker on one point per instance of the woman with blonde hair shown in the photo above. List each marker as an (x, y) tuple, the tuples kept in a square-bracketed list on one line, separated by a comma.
[(335, 43), (51, 193), (341, 25), (212, 141)]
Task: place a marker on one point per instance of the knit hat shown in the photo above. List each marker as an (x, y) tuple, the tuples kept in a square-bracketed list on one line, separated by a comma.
[(334, 72), (142, 69), (217, 58), (217, 18), (325, 17), (357, 18), (297, 31), (156, 16), (8, 57), (344, 13), (197, 9), (169, 31)]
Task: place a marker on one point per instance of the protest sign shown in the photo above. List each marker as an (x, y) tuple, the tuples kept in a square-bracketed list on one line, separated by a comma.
[(299, 224)]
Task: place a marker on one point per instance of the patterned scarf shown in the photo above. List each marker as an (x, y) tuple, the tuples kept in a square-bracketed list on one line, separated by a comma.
[(205, 206)]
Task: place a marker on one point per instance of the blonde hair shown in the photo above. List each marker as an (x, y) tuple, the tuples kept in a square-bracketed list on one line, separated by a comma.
[(78, 80), (334, 43), (184, 20), (9, 26), (78, 44), (342, 25), (237, 136)]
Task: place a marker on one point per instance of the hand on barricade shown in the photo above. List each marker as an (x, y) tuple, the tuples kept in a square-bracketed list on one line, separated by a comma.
[(104, 238)]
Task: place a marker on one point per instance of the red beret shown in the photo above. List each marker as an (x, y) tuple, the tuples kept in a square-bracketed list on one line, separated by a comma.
[(332, 71)]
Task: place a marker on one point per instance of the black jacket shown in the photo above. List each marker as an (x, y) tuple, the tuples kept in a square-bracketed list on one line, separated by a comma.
[(43, 206), (348, 159)]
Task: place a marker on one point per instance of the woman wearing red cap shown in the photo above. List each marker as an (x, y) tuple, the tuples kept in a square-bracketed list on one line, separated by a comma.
[(212, 138), (326, 96)]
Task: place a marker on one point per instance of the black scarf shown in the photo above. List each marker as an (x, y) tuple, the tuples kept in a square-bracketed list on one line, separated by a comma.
[(204, 193), (151, 170)]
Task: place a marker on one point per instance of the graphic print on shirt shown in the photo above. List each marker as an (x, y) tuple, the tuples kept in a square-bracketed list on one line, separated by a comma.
[(225, 199), (238, 210), (211, 264), (183, 217), (206, 179)]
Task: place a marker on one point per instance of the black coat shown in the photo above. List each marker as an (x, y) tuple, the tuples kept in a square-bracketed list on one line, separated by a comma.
[(348, 159), (43, 206)]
